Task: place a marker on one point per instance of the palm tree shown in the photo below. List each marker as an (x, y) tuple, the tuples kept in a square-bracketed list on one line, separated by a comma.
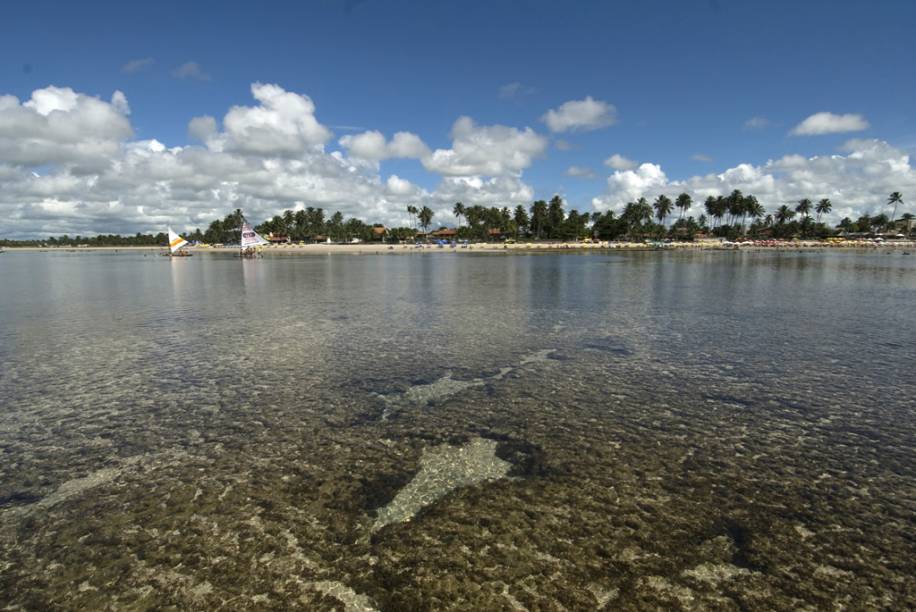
[(750, 206), (823, 207), (538, 216), (300, 222), (335, 225), (895, 199), (643, 210), (458, 211), (683, 203), (783, 214), (412, 210), (804, 206), (710, 206), (426, 216), (662, 206), (720, 207), (629, 215), (521, 220), (636, 214), (754, 208), (289, 218), (734, 204), (555, 216)]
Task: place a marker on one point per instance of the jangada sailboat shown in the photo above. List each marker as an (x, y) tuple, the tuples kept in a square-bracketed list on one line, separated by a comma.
[(251, 242), (176, 243)]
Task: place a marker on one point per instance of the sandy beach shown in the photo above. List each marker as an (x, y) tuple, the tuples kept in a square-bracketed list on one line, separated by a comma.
[(521, 247)]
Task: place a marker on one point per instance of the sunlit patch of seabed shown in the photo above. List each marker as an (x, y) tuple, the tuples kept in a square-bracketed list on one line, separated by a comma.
[(442, 470), (447, 386)]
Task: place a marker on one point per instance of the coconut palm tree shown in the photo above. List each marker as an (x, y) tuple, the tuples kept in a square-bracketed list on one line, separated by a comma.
[(643, 210), (335, 226), (412, 210), (754, 208), (426, 216), (720, 209), (710, 206), (804, 207), (893, 200), (629, 216), (521, 220), (823, 207), (458, 211), (734, 204), (662, 206), (783, 214), (300, 222), (289, 220), (683, 203), (750, 206), (538, 216)]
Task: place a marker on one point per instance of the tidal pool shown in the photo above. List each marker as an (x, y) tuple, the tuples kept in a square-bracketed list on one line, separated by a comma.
[(458, 431)]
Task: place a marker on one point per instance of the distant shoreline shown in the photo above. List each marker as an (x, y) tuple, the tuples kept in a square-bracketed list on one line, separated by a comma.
[(533, 247)]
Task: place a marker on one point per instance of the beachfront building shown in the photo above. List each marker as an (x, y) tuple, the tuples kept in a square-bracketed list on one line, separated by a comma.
[(277, 238), (379, 232), (905, 226), (444, 233)]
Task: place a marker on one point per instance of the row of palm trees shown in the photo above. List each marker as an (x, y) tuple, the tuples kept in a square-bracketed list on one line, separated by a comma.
[(733, 210), (542, 220), (729, 215), (724, 216)]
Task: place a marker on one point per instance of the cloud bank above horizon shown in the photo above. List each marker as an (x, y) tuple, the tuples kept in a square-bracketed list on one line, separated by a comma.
[(70, 163)]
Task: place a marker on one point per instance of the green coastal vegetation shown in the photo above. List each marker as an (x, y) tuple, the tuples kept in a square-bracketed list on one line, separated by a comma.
[(731, 217)]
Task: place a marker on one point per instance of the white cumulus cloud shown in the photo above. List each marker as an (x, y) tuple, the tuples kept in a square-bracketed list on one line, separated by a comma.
[(580, 115), (283, 124), (119, 102), (59, 126), (68, 164), (829, 123), (202, 128), (371, 145), (856, 183), (619, 162), (492, 150)]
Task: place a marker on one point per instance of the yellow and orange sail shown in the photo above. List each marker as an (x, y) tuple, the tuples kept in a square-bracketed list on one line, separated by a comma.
[(175, 241)]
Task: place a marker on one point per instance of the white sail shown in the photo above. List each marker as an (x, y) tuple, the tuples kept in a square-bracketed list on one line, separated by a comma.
[(250, 238), (175, 241)]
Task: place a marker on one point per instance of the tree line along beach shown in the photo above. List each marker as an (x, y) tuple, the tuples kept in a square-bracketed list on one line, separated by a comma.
[(732, 221)]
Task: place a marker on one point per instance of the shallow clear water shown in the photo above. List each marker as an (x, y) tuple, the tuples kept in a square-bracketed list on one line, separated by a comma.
[(428, 431)]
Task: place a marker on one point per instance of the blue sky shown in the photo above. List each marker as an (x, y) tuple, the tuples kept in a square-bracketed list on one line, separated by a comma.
[(683, 77)]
